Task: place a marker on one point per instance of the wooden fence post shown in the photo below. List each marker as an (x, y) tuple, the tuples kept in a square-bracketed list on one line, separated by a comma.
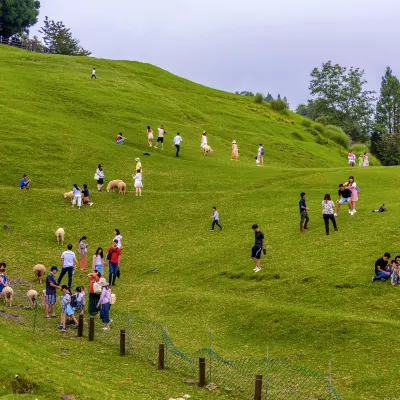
[(202, 372), (122, 337), (161, 356), (91, 329), (258, 388), (80, 325)]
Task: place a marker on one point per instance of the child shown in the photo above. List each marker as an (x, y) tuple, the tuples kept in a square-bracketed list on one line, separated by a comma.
[(77, 196), (215, 217), (3, 279), (118, 237), (83, 252), (150, 136), (104, 302), (80, 299), (44, 301), (138, 165), (94, 74), (98, 261), (85, 192), (303, 212), (138, 182), (66, 308), (360, 160)]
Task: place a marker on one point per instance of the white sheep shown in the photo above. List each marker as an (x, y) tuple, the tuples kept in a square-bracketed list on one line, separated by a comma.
[(60, 235), (32, 297), (113, 184), (7, 295), (69, 195), (39, 271)]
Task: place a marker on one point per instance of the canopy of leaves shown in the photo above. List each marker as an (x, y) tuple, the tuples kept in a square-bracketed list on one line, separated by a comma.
[(17, 16)]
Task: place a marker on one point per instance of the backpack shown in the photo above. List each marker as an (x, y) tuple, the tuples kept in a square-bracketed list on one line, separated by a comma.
[(113, 298), (74, 301), (97, 288), (358, 189)]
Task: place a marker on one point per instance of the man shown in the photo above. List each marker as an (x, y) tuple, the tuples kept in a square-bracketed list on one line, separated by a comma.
[(160, 139), (51, 297), (24, 182), (303, 212), (177, 142), (382, 271), (344, 197), (68, 260), (113, 255), (260, 155), (352, 158), (258, 247), (94, 74), (215, 217)]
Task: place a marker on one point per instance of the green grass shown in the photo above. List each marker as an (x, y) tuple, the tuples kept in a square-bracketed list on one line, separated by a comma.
[(314, 294)]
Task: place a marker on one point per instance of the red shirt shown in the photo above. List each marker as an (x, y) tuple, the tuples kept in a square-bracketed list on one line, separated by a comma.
[(118, 137), (115, 253)]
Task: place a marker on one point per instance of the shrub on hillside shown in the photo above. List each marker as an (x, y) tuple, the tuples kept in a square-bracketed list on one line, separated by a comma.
[(259, 98), (306, 123), (319, 127), (279, 105), (297, 135), (324, 120), (359, 148), (335, 134), (373, 161)]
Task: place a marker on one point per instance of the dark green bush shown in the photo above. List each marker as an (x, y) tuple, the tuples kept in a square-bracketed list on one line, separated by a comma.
[(319, 127), (259, 98), (279, 105), (335, 134), (306, 123)]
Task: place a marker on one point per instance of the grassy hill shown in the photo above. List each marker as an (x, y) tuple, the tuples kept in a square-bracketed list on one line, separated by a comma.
[(313, 297)]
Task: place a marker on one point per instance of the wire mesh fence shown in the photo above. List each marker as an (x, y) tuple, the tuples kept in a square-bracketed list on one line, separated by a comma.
[(282, 380)]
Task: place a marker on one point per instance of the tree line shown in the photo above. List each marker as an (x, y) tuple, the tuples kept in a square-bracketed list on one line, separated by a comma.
[(340, 98), (18, 16)]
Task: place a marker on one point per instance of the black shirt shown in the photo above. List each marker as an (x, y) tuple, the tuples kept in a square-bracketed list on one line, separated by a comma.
[(380, 262), (345, 194), (259, 237)]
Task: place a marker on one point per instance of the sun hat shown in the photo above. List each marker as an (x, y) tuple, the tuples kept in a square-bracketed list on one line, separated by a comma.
[(234, 142), (103, 282), (137, 159)]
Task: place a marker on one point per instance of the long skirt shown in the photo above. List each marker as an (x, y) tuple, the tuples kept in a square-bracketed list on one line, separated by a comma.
[(83, 261), (105, 313), (93, 300)]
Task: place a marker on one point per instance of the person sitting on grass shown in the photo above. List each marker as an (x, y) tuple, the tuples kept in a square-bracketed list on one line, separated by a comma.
[(382, 269), (120, 139), (396, 271), (344, 196), (86, 194), (67, 309), (24, 183)]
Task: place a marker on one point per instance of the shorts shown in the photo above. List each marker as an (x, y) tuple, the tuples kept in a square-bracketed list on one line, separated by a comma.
[(86, 200), (256, 252), (100, 181), (51, 299), (160, 139), (344, 200)]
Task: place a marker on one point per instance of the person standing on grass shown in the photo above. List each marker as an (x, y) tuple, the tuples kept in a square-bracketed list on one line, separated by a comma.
[(113, 254), (94, 74), (138, 182), (260, 155), (344, 196), (382, 269), (77, 196), (365, 160), (51, 295), (138, 164), (86, 194), (258, 247), (100, 177), (328, 213), (215, 217), (83, 252), (160, 138), (360, 160), (350, 184), (80, 299), (68, 260), (150, 136), (352, 158), (203, 140), (177, 142), (66, 308), (98, 261), (118, 238), (104, 303), (24, 183), (235, 151), (304, 218), (94, 296)]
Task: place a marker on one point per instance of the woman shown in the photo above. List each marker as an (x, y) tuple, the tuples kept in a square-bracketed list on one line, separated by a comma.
[(120, 139), (138, 182), (83, 252), (77, 196), (86, 194), (98, 261), (93, 296), (150, 136), (104, 302), (327, 212), (235, 151), (365, 160), (203, 140), (100, 177), (354, 194)]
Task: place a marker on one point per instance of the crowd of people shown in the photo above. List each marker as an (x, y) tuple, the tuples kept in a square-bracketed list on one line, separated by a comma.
[(363, 159)]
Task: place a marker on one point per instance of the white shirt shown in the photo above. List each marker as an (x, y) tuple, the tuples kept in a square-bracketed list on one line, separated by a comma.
[(100, 173), (259, 151), (118, 237), (216, 215), (68, 256), (98, 260), (94, 72), (204, 139), (161, 132), (177, 140)]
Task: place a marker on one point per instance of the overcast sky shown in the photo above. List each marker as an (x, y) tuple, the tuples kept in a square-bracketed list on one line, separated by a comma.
[(259, 45)]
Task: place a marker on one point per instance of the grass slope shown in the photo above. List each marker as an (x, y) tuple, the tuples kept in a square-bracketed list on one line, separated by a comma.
[(314, 294)]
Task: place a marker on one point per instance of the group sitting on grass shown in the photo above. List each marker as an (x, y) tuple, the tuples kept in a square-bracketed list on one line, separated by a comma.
[(385, 270)]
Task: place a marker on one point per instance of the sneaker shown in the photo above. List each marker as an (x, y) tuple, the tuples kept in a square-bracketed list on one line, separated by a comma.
[(106, 329), (111, 320), (222, 228), (90, 204), (258, 269), (63, 330), (351, 213), (48, 317), (383, 279), (336, 230), (335, 215), (211, 230), (60, 325), (306, 227), (155, 147), (327, 234), (373, 279), (354, 211)]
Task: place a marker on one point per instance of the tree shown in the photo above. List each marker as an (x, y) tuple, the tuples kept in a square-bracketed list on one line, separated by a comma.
[(59, 40), (279, 97), (17, 16), (389, 148), (388, 106), (340, 96), (285, 100), (269, 97)]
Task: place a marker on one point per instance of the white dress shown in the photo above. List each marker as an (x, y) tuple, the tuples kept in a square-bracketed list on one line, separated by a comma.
[(138, 180)]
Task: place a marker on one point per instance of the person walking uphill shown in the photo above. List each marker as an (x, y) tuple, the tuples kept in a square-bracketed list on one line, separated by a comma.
[(303, 212), (328, 213), (215, 217), (68, 260), (113, 254), (177, 142), (258, 247), (94, 74)]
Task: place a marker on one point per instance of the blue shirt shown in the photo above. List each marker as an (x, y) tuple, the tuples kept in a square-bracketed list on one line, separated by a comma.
[(3, 281), (22, 182), (50, 290), (259, 237), (302, 205)]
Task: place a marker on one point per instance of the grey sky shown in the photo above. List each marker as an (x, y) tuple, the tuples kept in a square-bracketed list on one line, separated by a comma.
[(258, 45)]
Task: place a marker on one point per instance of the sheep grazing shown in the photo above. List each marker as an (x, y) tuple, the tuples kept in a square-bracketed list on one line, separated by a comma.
[(60, 235), (69, 195), (207, 150), (113, 184), (122, 187), (32, 297), (7, 295), (39, 271)]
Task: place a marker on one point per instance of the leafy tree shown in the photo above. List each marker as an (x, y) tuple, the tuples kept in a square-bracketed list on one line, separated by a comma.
[(269, 97), (340, 96), (389, 148), (17, 16), (59, 40), (279, 97), (388, 106), (285, 100)]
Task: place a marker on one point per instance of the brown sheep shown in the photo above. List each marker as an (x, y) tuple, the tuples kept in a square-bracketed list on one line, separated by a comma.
[(113, 184), (69, 195), (122, 187), (39, 271)]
